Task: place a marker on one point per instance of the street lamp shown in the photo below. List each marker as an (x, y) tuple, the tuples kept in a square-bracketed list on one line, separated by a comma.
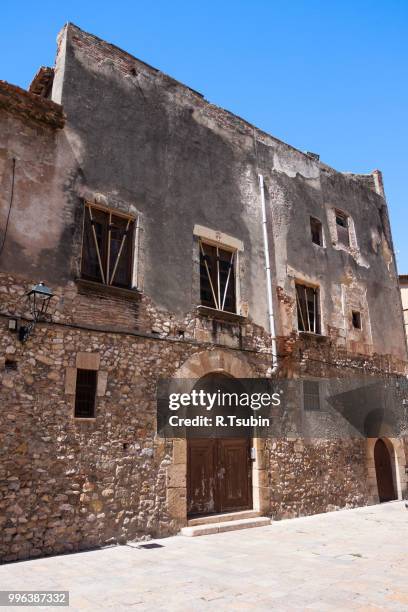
[(38, 300)]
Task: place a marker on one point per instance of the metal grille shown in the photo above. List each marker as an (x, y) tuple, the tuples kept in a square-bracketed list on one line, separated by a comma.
[(85, 394), (311, 396)]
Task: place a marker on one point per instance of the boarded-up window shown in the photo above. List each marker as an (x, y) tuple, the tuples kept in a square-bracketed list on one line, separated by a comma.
[(85, 394), (343, 230), (308, 308), (217, 277), (316, 231), (107, 248), (311, 396)]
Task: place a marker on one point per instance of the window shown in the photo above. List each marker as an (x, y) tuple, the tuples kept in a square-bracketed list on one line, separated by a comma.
[(107, 247), (85, 394), (342, 225), (308, 309), (217, 277), (356, 319), (10, 365), (316, 231), (311, 396)]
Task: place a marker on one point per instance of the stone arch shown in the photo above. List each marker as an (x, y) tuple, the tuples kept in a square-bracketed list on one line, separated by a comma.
[(397, 455), (214, 361)]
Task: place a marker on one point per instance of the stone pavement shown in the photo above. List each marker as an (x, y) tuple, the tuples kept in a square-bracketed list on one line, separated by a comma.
[(346, 560)]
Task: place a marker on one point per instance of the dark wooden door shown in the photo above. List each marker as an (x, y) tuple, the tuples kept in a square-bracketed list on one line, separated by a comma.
[(235, 474), (218, 475), (383, 469)]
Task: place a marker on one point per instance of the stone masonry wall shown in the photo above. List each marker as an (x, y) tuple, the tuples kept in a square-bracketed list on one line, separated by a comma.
[(67, 484)]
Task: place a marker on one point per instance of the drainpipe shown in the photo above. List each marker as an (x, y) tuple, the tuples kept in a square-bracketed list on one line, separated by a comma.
[(271, 316)]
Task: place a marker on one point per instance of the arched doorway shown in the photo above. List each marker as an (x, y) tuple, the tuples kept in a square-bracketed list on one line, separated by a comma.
[(218, 468), (384, 472)]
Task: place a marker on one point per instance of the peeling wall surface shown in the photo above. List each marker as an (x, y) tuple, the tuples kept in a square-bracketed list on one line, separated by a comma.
[(120, 134)]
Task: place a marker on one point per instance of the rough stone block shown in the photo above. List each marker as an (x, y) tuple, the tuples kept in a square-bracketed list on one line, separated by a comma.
[(88, 361), (70, 381), (102, 383), (176, 476), (176, 503), (179, 452)]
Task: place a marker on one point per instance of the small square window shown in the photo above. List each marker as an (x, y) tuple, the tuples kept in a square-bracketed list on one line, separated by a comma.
[(316, 231), (342, 225), (356, 319), (311, 395), (10, 365), (85, 394)]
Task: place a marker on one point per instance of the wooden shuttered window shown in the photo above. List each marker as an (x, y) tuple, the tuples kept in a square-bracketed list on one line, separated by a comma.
[(217, 277), (85, 394), (107, 252), (308, 309)]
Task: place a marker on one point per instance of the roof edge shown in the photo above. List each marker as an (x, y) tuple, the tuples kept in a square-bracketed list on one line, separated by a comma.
[(31, 106)]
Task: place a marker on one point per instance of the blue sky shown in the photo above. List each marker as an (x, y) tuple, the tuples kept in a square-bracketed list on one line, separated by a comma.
[(328, 77)]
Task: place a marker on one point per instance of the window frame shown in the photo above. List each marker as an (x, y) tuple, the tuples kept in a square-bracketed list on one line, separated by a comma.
[(354, 311), (340, 214), (313, 219), (105, 269), (317, 318), (94, 391), (234, 265)]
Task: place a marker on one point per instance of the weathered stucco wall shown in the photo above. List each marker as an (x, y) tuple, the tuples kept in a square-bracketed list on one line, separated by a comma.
[(36, 170), (183, 161), (404, 296)]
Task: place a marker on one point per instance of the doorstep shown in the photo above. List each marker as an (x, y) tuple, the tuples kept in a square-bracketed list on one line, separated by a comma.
[(222, 517), (226, 525)]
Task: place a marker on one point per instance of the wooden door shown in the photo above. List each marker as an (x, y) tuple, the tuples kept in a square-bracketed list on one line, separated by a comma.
[(235, 492), (201, 476), (383, 469), (218, 475)]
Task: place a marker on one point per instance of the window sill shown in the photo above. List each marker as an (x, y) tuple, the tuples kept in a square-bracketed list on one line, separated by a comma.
[(307, 334), (225, 315), (87, 286)]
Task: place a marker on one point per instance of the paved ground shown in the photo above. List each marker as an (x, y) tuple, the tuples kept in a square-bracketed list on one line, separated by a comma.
[(348, 560)]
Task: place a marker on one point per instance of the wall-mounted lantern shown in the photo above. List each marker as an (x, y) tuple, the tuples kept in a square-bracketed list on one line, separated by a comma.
[(38, 299)]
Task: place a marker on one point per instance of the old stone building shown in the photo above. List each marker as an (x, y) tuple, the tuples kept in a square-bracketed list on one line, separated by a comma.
[(178, 241)]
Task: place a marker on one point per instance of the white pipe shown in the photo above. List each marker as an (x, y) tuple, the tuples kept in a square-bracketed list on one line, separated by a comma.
[(271, 316)]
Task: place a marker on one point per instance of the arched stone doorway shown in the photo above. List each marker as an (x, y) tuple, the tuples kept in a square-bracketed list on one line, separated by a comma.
[(396, 455), (219, 467), (200, 364), (384, 471)]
